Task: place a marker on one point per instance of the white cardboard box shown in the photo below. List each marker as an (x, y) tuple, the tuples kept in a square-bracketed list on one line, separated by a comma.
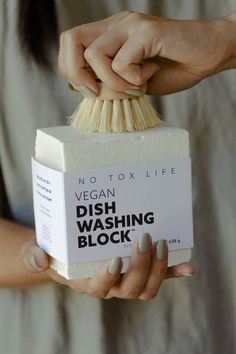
[(95, 193)]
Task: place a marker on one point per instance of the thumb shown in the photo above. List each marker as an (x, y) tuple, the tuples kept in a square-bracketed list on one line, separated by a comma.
[(34, 259)]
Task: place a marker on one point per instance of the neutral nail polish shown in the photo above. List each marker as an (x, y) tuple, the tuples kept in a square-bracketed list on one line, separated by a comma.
[(33, 263), (187, 274), (161, 250), (71, 87), (86, 91), (134, 92), (144, 242), (115, 265)]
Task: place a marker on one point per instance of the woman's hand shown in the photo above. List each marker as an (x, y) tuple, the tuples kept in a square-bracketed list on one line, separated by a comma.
[(128, 49), (147, 270)]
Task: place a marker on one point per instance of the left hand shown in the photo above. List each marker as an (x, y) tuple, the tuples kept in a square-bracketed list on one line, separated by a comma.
[(148, 269)]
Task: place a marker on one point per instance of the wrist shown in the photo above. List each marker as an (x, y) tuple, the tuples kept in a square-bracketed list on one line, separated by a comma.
[(226, 28)]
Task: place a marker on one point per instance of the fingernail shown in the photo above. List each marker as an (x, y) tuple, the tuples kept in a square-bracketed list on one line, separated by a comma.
[(33, 262), (71, 87), (187, 274), (115, 265), (144, 242), (161, 249), (134, 92), (86, 91)]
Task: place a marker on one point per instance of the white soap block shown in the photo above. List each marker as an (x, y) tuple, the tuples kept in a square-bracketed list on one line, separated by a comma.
[(64, 149)]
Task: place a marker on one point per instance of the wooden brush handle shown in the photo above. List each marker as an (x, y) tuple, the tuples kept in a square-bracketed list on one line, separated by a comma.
[(106, 93)]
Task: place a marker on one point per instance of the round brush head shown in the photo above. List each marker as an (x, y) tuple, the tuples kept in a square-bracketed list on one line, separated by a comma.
[(114, 112)]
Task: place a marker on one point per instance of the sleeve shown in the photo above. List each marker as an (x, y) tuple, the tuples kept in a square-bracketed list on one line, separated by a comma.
[(3, 195), (1, 50), (4, 209)]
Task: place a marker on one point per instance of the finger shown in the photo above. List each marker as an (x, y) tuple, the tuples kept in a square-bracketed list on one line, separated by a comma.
[(100, 54), (102, 282), (133, 282), (157, 271), (71, 62), (79, 285), (34, 259), (184, 269), (129, 61)]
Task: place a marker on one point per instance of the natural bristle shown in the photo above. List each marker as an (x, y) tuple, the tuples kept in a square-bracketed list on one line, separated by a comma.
[(119, 115)]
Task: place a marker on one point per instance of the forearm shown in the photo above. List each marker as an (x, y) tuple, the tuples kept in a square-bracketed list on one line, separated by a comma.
[(227, 25), (13, 236)]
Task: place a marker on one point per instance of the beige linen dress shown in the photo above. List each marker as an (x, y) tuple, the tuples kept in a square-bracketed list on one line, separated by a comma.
[(194, 315)]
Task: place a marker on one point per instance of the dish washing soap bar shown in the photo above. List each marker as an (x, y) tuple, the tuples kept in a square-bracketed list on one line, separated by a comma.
[(94, 194)]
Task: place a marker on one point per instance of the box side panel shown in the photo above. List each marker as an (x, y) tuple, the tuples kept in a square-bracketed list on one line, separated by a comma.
[(49, 210)]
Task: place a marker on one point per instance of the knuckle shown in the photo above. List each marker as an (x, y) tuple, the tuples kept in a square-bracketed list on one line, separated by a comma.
[(108, 281), (118, 65), (162, 271), (121, 16), (67, 36), (141, 264), (90, 53), (137, 17), (134, 293), (131, 14), (149, 294), (143, 23)]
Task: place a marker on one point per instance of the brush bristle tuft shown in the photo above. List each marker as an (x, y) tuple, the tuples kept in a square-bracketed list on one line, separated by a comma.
[(119, 115)]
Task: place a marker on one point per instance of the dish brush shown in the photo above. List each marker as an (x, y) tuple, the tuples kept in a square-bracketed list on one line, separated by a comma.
[(114, 112)]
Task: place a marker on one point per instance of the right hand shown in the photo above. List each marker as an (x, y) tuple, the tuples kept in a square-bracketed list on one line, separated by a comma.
[(128, 49), (148, 268)]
